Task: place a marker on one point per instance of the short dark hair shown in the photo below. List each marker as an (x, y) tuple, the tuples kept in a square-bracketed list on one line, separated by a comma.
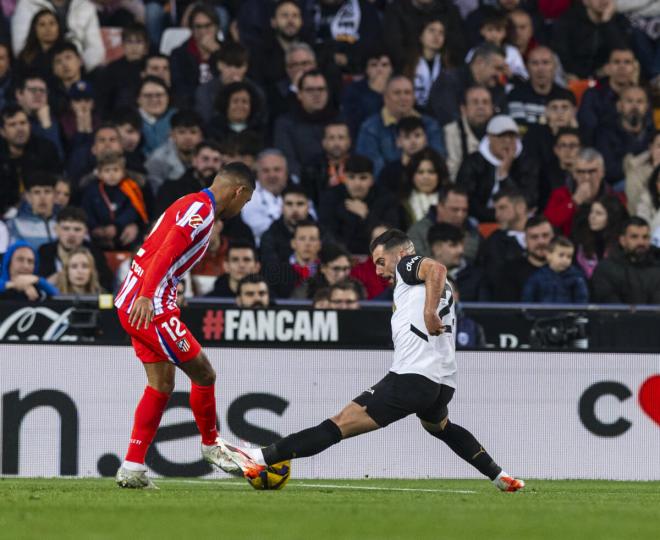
[(232, 54), (452, 188), (390, 239), (567, 131), (358, 164), (9, 111), (281, 3), (559, 241), (127, 115), (408, 124), (152, 79), (535, 221), (293, 189), (472, 88), (306, 223), (348, 284), (72, 213), (485, 51), (311, 73), (331, 252), (251, 278), (239, 173), (64, 46), (323, 293), (29, 76), (634, 221), (186, 118), (203, 9), (39, 179), (110, 158), (511, 193), (492, 17), (135, 29), (337, 122), (211, 145), (445, 232), (242, 244)]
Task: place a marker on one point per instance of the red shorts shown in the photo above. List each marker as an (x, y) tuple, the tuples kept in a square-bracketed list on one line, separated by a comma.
[(166, 340)]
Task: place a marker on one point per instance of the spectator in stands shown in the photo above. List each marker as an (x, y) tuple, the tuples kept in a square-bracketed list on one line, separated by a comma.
[(410, 139), (32, 95), (81, 116), (345, 294), (584, 36), (425, 176), (241, 261), (266, 203), (463, 135), (206, 163), (253, 292), (528, 99), (364, 97), (452, 208), (447, 247), (154, 105), (486, 68), (78, 16), (598, 104), (119, 14), (129, 126), (71, 233), (86, 148), (365, 271), (282, 93), (6, 81), (521, 32), (302, 264), (643, 16), (190, 61), (558, 282), (35, 221), (114, 204), (630, 133), (404, 18), (514, 273), (173, 158), (347, 210), (275, 246), (508, 241), (321, 299), (18, 279), (499, 163), (299, 133), (638, 169), (327, 170), (158, 65), (648, 207), (62, 192), (68, 71), (377, 136), (631, 274), (596, 231), (37, 55), (238, 108), (586, 187), (334, 266), (79, 275), (123, 75), (21, 153)]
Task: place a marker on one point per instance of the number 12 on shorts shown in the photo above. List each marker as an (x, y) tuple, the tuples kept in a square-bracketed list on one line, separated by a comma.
[(173, 328)]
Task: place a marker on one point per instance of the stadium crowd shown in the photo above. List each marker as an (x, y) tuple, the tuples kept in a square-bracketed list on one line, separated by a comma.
[(515, 140)]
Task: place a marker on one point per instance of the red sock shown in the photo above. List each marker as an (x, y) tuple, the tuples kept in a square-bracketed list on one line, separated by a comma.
[(147, 418), (202, 403)]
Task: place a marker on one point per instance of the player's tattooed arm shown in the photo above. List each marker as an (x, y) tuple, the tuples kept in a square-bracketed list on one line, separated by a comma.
[(434, 276)]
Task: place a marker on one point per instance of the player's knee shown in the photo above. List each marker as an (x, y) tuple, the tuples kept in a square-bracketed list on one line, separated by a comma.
[(163, 386)]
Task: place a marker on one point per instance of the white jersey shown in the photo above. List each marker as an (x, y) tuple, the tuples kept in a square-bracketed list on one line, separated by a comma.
[(415, 351)]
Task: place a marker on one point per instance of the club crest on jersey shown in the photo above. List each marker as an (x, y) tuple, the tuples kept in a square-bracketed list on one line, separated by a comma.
[(183, 345), (195, 221)]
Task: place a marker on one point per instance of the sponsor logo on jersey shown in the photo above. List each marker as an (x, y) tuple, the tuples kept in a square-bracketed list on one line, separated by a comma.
[(195, 221), (412, 261), (183, 345)]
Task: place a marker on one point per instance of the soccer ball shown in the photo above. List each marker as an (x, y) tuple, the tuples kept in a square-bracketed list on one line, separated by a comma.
[(273, 477)]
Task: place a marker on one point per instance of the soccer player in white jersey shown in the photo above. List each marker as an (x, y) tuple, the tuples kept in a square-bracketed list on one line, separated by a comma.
[(422, 378)]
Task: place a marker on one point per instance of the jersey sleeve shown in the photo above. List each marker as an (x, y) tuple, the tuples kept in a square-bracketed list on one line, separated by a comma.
[(408, 269)]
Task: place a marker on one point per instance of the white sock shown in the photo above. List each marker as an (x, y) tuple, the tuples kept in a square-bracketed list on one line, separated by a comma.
[(132, 466), (503, 473), (256, 454)]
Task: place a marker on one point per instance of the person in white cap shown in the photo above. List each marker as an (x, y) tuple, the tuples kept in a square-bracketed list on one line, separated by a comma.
[(498, 163)]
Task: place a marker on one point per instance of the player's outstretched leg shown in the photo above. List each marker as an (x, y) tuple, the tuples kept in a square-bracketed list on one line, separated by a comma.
[(202, 403), (352, 420), (464, 444), (148, 413)]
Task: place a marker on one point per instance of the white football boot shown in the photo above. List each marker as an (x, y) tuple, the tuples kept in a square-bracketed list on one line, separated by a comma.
[(134, 479), (216, 455), (504, 482), (249, 467)]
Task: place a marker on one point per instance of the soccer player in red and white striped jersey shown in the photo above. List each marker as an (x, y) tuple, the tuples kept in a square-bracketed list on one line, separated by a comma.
[(147, 310)]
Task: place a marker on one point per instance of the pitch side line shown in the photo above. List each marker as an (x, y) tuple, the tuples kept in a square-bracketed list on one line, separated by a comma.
[(326, 486)]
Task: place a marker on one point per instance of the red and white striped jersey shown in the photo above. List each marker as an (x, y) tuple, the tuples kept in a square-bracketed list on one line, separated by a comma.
[(176, 243)]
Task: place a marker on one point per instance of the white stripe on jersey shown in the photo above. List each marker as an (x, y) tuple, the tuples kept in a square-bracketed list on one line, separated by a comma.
[(129, 283), (193, 208), (209, 219)]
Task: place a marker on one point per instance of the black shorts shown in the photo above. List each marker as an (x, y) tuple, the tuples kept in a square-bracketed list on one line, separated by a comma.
[(397, 395)]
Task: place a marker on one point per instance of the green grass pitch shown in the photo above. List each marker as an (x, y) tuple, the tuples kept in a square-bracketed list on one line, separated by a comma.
[(328, 509)]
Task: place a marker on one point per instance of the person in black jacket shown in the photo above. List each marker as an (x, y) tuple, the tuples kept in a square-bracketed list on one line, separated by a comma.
[(241, 261), (348, 210), (630, 275), (499, 163)]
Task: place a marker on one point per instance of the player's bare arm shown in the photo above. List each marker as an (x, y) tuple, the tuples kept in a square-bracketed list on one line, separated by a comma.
[(434, 276)]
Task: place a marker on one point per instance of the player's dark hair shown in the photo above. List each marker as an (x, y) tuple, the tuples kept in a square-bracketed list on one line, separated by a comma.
[(390, 239), (445, 232), (72, 213), (511, 193), (408, 124), (252, 278), (634, 221), (358, 164), (348, 284), (39, 179), (9, 111), (239, 173), (306, 223), (186, 118), (535, 221), (559, 241), (332, 252), (452, 188), (293, 189), (126, 115), (242, 244)]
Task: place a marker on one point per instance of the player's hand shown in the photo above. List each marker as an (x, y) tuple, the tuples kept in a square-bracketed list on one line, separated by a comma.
[(357, 207), (32, 293), (23, 281), (433, 323), (582, 193), (142, 313)]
